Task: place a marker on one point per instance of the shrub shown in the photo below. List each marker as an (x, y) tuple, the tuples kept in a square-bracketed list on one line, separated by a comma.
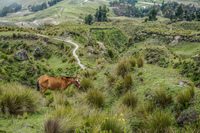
[(5, 45), (64, 60), (71, 60), (140, 61), (158, 122), (161, 96), (110, 79), (10, 59), (130, 99), (86, 83), (16, 99), (52, 125), (128, 81), (95, 98), (123, 67)]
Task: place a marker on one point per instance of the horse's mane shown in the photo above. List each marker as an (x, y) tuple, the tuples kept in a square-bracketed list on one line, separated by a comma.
[(67, 77)]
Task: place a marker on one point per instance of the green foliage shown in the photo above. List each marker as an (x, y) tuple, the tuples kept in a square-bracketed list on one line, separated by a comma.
[(183, 97), (5, 45), (101, 13), (71, 60), (161, 96), (17, 99), (95, 98), (130, 99), (152, 14), (158, 122), (89, 19)]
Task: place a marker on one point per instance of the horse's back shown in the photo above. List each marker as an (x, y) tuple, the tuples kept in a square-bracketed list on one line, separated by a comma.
[(50, 82)]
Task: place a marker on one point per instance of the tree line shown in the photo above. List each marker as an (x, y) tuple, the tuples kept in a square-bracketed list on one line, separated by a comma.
[(10, 9), (44, 5)]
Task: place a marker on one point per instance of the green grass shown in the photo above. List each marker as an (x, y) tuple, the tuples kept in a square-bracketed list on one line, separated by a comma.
[(186, 50)]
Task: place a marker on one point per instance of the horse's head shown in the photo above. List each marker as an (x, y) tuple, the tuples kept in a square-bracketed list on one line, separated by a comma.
[(76, 82)]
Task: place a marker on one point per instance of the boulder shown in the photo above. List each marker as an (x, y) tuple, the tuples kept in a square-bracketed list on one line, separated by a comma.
[(21, 55)]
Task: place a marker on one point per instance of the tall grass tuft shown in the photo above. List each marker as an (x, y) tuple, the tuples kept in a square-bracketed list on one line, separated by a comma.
[(17, 99), (128, 81), (123, 67), (132, 61), (145, 109), (95, 98), (183, 97), (158, 122), (130, 99), (52, 126), (140, 61), (161, 96), (113, 124), (86, 83)]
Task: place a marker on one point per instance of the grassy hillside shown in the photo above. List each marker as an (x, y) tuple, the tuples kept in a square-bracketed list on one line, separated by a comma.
[(139, 77)]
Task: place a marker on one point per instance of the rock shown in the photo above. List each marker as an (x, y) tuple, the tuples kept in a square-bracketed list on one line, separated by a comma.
[(187, 117), (21, 55)]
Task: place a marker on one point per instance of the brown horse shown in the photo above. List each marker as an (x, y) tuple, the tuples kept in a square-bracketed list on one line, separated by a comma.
[(56, 83)]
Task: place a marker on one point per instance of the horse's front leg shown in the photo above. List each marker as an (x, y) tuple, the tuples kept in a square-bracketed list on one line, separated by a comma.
[(42, 91)]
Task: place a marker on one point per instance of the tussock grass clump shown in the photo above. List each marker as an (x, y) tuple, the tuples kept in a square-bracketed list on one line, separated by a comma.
[(86, 83), (113, 124), (17, 99), (128, 81), (130, 99), (161, 96), (145, 109), (183, 97), (95, 98), (56, 98), (140, 61), (52, 126), (132, 61), (158, 122), (123, 67)]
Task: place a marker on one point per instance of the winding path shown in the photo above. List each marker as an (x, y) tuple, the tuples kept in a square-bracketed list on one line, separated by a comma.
[(74, 51)]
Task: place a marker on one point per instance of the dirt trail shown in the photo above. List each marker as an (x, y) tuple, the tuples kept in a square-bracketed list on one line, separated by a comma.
[(74, 51)]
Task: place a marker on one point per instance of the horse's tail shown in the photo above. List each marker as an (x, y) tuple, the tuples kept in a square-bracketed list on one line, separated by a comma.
[(38, 86)]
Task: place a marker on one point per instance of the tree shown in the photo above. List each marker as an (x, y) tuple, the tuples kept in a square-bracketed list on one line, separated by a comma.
[(179, 12), (89, 19), (152, 14), (198, 15), (101, 13)]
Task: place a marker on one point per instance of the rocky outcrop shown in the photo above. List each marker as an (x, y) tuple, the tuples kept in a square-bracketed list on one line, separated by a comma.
[(21, 55)]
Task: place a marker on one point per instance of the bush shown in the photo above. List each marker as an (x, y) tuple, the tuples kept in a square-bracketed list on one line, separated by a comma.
[(16, 99), (140, 61), (95, 98), (71, 60), (158, 122), (161, 96), (5, 45), (52, 126), (130, 99), (64, 59), (86, 83)]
